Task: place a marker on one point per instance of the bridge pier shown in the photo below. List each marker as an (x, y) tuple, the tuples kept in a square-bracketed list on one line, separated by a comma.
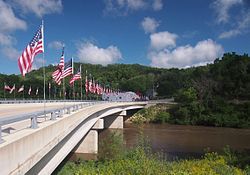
[(115, 121), (89, 144)]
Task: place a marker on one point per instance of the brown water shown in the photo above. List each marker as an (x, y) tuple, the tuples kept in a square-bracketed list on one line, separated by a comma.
[(184, 141)]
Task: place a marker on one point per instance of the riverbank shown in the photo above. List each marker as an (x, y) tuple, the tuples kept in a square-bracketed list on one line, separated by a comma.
[(227, 115), (140, 159)]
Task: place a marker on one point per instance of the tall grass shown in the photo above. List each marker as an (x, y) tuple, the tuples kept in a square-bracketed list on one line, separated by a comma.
[(141, 161)]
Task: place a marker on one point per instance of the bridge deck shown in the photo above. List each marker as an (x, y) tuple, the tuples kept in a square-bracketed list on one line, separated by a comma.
[(17, 109)]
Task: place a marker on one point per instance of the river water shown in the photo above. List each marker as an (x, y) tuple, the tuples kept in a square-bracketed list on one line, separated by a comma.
[(185, 141)]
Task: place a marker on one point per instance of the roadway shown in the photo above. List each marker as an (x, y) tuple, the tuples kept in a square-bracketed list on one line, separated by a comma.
[(24, 108)]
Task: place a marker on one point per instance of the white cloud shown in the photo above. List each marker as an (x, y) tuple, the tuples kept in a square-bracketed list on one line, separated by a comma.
[(39, 7), (135, 4), (222, 8), (8, 20), (149, 25), (162, 40), (6, 40), (11, 52), (38, 63), (123, 7), (186, 56), (90, 53), (242, 27), (157, 5), (56, 45)]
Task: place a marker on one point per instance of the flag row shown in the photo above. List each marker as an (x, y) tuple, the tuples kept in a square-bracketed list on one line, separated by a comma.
[(21, 89)]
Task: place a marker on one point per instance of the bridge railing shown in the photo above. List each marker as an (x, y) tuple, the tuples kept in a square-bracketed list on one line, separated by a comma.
[(52, 114), (2, 101)]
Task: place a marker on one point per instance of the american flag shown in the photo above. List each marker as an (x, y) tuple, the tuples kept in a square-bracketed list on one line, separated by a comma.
[(35, 47), (68, 68), (57, 75), (21, 88), (86, 84), (76, 76), (90, 85), (13, 88), (6, 87), (29, 92)]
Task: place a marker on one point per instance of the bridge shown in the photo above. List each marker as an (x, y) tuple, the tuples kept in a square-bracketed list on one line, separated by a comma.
[(35, 141)]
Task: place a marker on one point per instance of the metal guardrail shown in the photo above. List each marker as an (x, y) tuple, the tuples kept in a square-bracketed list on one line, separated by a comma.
[(40, 101), (53, 114)]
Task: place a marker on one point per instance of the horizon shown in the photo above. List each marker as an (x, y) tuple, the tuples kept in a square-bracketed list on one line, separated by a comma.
[(165, 34)]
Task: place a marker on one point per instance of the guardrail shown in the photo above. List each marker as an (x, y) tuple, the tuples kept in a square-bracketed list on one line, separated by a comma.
[(40, 101), (53, 114)]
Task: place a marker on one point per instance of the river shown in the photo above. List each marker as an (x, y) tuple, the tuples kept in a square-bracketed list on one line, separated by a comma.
[(185, 141)]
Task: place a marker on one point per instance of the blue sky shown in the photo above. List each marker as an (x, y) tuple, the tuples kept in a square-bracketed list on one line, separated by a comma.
[(159, 33)]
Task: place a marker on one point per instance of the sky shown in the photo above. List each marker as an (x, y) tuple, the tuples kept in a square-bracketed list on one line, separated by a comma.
[(157, 33)]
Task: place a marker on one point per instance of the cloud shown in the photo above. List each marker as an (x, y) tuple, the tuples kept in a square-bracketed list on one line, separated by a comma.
[(90, 53), (11, 52), (123, 7), (157, 5), (222, 8), (149, 25), (242, 27), (38, 63), (162, 40), (56, 45), (9, 22), (39, 7), (187, 56), (6, 40)]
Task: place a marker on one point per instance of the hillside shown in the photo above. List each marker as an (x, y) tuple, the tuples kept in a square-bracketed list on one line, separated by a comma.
[(228, 78)]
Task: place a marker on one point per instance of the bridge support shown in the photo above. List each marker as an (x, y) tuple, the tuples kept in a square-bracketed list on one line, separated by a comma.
[(115, 121), (89, 144)]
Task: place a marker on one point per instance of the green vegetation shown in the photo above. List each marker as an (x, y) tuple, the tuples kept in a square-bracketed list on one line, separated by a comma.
[(215, 95), (156, 114), (140, 160)]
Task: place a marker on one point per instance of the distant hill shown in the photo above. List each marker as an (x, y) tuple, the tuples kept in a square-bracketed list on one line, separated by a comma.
[(228, 77)]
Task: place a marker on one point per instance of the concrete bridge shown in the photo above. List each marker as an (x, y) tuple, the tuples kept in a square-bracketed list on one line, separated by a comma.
[(37, 142)]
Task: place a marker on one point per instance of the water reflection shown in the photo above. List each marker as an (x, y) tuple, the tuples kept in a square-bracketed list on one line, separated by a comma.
[(185, 141)]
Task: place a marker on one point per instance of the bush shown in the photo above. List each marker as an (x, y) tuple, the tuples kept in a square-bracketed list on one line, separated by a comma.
[(162, 117)]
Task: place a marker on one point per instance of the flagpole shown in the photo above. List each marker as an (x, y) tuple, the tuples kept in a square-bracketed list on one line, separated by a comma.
[(86, 81), (23, 92), (73, 82), (81, 80), (49, 89), (4, 91), (14, 92), (44, 93)]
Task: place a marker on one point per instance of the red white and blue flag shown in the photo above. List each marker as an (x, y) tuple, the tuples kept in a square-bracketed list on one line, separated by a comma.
[(13, 88), (57, 75), (35, 47), (6, 87), (68, 68), (21, 88), (75, 77), (86, 84), (29, 92)]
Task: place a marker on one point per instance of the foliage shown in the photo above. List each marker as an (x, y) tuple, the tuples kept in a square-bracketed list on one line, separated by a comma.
[(216, 94), (141, 160), (111, 148), (157, 114)]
